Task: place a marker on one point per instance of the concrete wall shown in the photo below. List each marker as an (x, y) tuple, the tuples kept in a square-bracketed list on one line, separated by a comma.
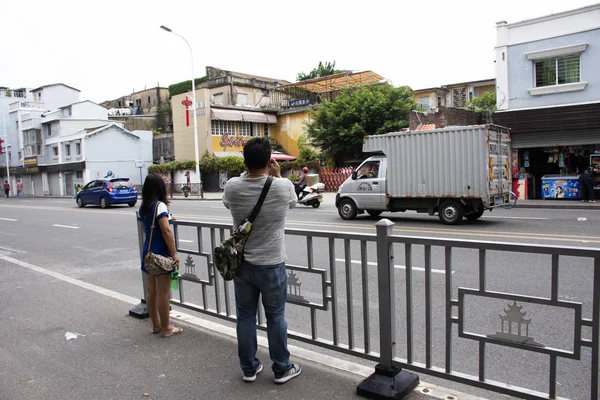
[(56, 96), (446, 116), (136, 122), (521, 71), (288, 130), (184, 135), (88, 110), (113, 150)]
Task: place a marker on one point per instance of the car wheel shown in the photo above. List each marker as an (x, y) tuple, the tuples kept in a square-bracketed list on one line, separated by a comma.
[(451, 212), (474, 215), (80, 202), (132, 204), (374, 213), (316, 204), (104, 202), (347, 209)]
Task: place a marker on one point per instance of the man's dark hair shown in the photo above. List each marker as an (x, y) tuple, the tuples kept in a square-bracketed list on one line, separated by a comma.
[(257, 153)]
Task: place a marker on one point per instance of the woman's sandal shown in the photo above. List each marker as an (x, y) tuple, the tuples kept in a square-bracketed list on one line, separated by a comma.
[(154, 332), (174, 331)]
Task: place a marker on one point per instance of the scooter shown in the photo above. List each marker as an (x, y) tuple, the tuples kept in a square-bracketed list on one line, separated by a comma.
[(310, 195)]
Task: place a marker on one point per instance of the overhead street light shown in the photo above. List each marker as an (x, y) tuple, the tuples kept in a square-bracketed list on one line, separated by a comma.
[(196, 151)]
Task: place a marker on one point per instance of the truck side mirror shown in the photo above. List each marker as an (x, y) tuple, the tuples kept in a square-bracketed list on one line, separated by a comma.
[(354, 174)]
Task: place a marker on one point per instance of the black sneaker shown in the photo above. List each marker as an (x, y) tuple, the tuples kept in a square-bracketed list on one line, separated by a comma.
[(251, 376), (289, 374)]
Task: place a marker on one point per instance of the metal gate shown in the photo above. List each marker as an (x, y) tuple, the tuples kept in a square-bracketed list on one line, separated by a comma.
[(54, 184)]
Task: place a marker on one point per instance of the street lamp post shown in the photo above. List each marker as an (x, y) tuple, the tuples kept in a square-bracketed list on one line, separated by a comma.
[(196, 150), (6, 145)]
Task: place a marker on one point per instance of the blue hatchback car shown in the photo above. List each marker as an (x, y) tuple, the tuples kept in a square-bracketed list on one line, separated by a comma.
[(106, 192)]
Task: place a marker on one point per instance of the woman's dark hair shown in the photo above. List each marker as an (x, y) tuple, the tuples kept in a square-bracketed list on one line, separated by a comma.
[(257, 153), (154, 189)]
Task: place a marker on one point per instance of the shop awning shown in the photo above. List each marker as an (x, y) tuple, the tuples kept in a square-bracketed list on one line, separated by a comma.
[(228, 154), (242, 116), (226, 115)]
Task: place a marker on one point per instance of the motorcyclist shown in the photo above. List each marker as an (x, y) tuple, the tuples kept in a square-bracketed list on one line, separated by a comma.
[(301, 183)]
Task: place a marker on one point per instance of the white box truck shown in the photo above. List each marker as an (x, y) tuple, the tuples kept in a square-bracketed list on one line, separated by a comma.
[(455, 172)]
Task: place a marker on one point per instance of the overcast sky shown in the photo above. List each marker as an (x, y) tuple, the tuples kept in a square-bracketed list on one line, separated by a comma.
[(109, 48)]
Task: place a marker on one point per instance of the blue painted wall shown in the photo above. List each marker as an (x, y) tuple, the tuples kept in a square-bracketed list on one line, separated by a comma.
[(521, 72)]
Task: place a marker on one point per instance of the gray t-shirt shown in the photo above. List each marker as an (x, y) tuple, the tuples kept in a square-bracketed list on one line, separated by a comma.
[(266, 245)]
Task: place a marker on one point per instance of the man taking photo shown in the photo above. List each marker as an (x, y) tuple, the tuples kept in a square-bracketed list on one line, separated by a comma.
[(263, 270)]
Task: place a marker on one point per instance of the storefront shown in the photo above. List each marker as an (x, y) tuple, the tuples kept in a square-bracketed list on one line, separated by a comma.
[(556, 143), (561, 164)]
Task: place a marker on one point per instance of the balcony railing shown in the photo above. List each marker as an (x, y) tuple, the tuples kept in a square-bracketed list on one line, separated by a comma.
[(32, 123), (36, 105)]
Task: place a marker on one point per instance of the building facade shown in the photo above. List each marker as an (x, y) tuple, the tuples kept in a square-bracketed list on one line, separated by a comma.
[(233, 107), (47, 147), (456, 95), (548, 93)]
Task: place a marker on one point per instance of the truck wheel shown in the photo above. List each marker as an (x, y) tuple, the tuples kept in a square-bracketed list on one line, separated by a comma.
[(347, 209), (475, 215), (450, 212), (374, 213)]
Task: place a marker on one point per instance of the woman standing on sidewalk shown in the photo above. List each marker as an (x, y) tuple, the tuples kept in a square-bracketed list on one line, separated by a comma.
[(154, 202)]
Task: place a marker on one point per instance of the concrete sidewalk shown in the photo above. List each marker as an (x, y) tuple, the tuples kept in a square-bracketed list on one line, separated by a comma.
[(114, 356)]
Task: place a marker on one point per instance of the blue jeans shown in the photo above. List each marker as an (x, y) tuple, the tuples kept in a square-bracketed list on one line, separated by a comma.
[(270, 281)]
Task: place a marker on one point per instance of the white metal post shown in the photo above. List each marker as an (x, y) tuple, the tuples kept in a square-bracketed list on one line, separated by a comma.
[(196, 150), (6, 147)]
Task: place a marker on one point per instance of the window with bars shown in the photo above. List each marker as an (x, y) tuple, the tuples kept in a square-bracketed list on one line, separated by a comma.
[(244, 129), (557, 71), (219, 128)]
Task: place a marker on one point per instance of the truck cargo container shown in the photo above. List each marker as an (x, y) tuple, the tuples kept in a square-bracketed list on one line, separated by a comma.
[(455, 172)]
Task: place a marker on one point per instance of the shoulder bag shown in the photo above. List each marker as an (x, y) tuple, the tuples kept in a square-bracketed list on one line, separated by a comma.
[(228, 256), (156, 264)]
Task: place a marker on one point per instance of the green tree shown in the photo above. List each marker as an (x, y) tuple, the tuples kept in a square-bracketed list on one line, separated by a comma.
[(322, 70), (485, 105), (338, 127)]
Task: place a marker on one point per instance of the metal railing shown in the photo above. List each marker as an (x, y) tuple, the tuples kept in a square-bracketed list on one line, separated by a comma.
[(346, 294)]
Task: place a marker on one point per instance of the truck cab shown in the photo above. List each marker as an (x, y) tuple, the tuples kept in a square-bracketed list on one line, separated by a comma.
[(364, 190)]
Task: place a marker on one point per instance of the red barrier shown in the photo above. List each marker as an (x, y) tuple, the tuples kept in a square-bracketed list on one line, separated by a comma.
[(334, 177)]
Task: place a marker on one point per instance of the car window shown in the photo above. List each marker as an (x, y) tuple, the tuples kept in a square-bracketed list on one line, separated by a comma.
[(122, 184), (368, 170), (99, 184), (89, 185)]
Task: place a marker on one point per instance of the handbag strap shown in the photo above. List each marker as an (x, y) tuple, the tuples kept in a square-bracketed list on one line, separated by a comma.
[(153, 224), (261, 199)]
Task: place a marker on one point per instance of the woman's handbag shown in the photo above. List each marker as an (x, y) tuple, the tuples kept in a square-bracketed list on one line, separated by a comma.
[(229, 255), (156, 264)]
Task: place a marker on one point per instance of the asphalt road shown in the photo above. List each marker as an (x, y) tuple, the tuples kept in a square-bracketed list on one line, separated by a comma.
[(100, 247)]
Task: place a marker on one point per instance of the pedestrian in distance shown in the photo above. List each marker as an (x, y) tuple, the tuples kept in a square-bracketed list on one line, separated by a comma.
[(155, 202), (6, 189), (19, 189), (586, 184), (263, 269)]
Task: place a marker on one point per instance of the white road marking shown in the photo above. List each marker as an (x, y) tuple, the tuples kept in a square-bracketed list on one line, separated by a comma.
[(211, 327), (502, 217), (66, 226), (8, 219), (434, 270)]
